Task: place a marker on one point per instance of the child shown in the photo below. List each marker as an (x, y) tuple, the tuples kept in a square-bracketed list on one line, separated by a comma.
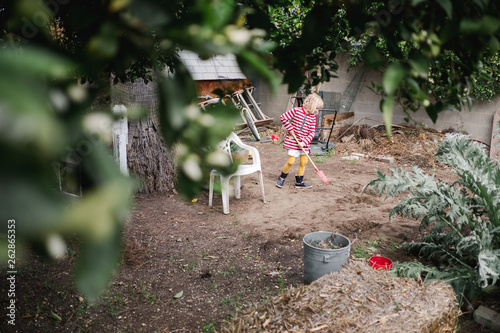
[(300, 121)]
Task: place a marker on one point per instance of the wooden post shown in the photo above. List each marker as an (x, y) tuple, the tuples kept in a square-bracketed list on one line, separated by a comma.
[(494, 148)]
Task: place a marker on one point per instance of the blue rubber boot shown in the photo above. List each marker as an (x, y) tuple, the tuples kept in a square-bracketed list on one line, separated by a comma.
[(281, 180), (299, 182)]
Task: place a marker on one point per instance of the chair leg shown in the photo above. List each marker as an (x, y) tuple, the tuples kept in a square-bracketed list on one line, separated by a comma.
[(211, 189), (224, 181), (262, 187), (237, 187)]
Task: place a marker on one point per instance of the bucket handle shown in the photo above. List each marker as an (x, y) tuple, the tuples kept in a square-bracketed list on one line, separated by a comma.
[(355, 235), (356, 238)]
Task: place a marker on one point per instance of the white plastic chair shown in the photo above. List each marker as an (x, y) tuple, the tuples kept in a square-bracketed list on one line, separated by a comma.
[(243, 170)]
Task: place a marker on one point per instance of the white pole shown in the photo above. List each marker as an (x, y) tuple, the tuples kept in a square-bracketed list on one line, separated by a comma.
[(120, 137)]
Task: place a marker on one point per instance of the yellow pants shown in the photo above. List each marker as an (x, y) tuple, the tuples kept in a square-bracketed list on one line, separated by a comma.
[(291, 161)]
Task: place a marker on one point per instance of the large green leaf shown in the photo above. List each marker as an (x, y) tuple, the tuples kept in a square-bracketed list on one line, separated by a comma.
[(217, 13), (393, 76), (486, 25), (97, 261), (447, 7), (253, 65), (33, 60)]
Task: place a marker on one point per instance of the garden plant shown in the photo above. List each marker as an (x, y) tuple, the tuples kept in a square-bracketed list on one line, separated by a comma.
[(460, 221)]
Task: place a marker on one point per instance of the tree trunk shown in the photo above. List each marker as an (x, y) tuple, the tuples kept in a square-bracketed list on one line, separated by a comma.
[(148, 157)]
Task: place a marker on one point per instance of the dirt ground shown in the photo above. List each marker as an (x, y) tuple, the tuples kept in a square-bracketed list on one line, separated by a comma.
[(187, 267)]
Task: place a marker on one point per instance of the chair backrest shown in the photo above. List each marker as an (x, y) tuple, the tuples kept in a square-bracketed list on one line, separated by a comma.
[(225, 146)]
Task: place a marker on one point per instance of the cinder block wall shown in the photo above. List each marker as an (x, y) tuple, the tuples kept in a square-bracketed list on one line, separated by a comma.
[(272, 105), (478, 122)]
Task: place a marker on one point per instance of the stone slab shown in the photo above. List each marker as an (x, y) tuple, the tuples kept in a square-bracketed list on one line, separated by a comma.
[(487, 318)]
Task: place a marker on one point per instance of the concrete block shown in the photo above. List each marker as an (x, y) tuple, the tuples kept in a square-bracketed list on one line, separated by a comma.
[(488, 318)]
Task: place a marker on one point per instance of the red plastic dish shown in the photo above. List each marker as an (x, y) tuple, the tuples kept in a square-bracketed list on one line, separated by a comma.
[(380, 263)]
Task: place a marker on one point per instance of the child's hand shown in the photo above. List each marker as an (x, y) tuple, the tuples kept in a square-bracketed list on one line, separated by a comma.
[(301, 144)]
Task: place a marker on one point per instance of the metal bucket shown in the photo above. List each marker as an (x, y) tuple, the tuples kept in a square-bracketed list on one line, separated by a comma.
[(317, 261)]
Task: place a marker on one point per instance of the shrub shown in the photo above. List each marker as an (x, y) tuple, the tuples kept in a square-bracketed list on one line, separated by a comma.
[(461, 220)]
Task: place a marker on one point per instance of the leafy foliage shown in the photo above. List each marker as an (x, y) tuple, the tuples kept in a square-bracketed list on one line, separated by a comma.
[(432, 52), (51, 129), (462, 218), (307, 35)]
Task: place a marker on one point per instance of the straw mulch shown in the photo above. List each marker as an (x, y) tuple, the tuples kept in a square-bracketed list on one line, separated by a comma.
[(355, 299)]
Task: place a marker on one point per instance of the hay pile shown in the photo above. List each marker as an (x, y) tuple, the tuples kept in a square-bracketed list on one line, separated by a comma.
[(355, 299)]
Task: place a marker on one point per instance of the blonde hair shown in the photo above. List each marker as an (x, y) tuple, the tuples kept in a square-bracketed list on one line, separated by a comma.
[(312, 102)]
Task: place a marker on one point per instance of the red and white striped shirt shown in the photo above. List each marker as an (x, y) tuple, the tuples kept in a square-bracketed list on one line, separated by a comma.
[(303, 124)]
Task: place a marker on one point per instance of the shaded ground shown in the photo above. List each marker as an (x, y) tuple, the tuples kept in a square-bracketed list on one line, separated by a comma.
[(186, 266)]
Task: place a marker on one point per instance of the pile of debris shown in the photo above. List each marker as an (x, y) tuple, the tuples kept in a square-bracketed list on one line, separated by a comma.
[(408, 144), (355, 299)]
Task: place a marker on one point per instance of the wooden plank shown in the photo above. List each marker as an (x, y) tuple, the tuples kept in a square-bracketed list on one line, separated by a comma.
[(494, 148), (257, 123)]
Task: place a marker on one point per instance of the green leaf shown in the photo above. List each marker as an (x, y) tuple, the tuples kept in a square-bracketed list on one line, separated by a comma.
[(55, 316), (217, 13), (420, 64), (432, 112), (372, 56), (36, 61), (415, 87), (494, 45), (487, 25), (415, 3), (106, 43), (150, 13), (175, 93), (447, 7), (96, 263), (294, 78), (179, 294), (387, 110), (251, 64), (393, 76)]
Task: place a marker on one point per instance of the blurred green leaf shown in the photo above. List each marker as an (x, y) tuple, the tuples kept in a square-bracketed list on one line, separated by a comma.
[(486, 25), (150, 12), (33, 60), (105, 44), (96, 262), (415, 3), (173, 101), (217, 13), (387, 105), (254, 66), (494, 45), (447, 7), (414, 86), (372, 56), (393, 76), (420, 64)]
